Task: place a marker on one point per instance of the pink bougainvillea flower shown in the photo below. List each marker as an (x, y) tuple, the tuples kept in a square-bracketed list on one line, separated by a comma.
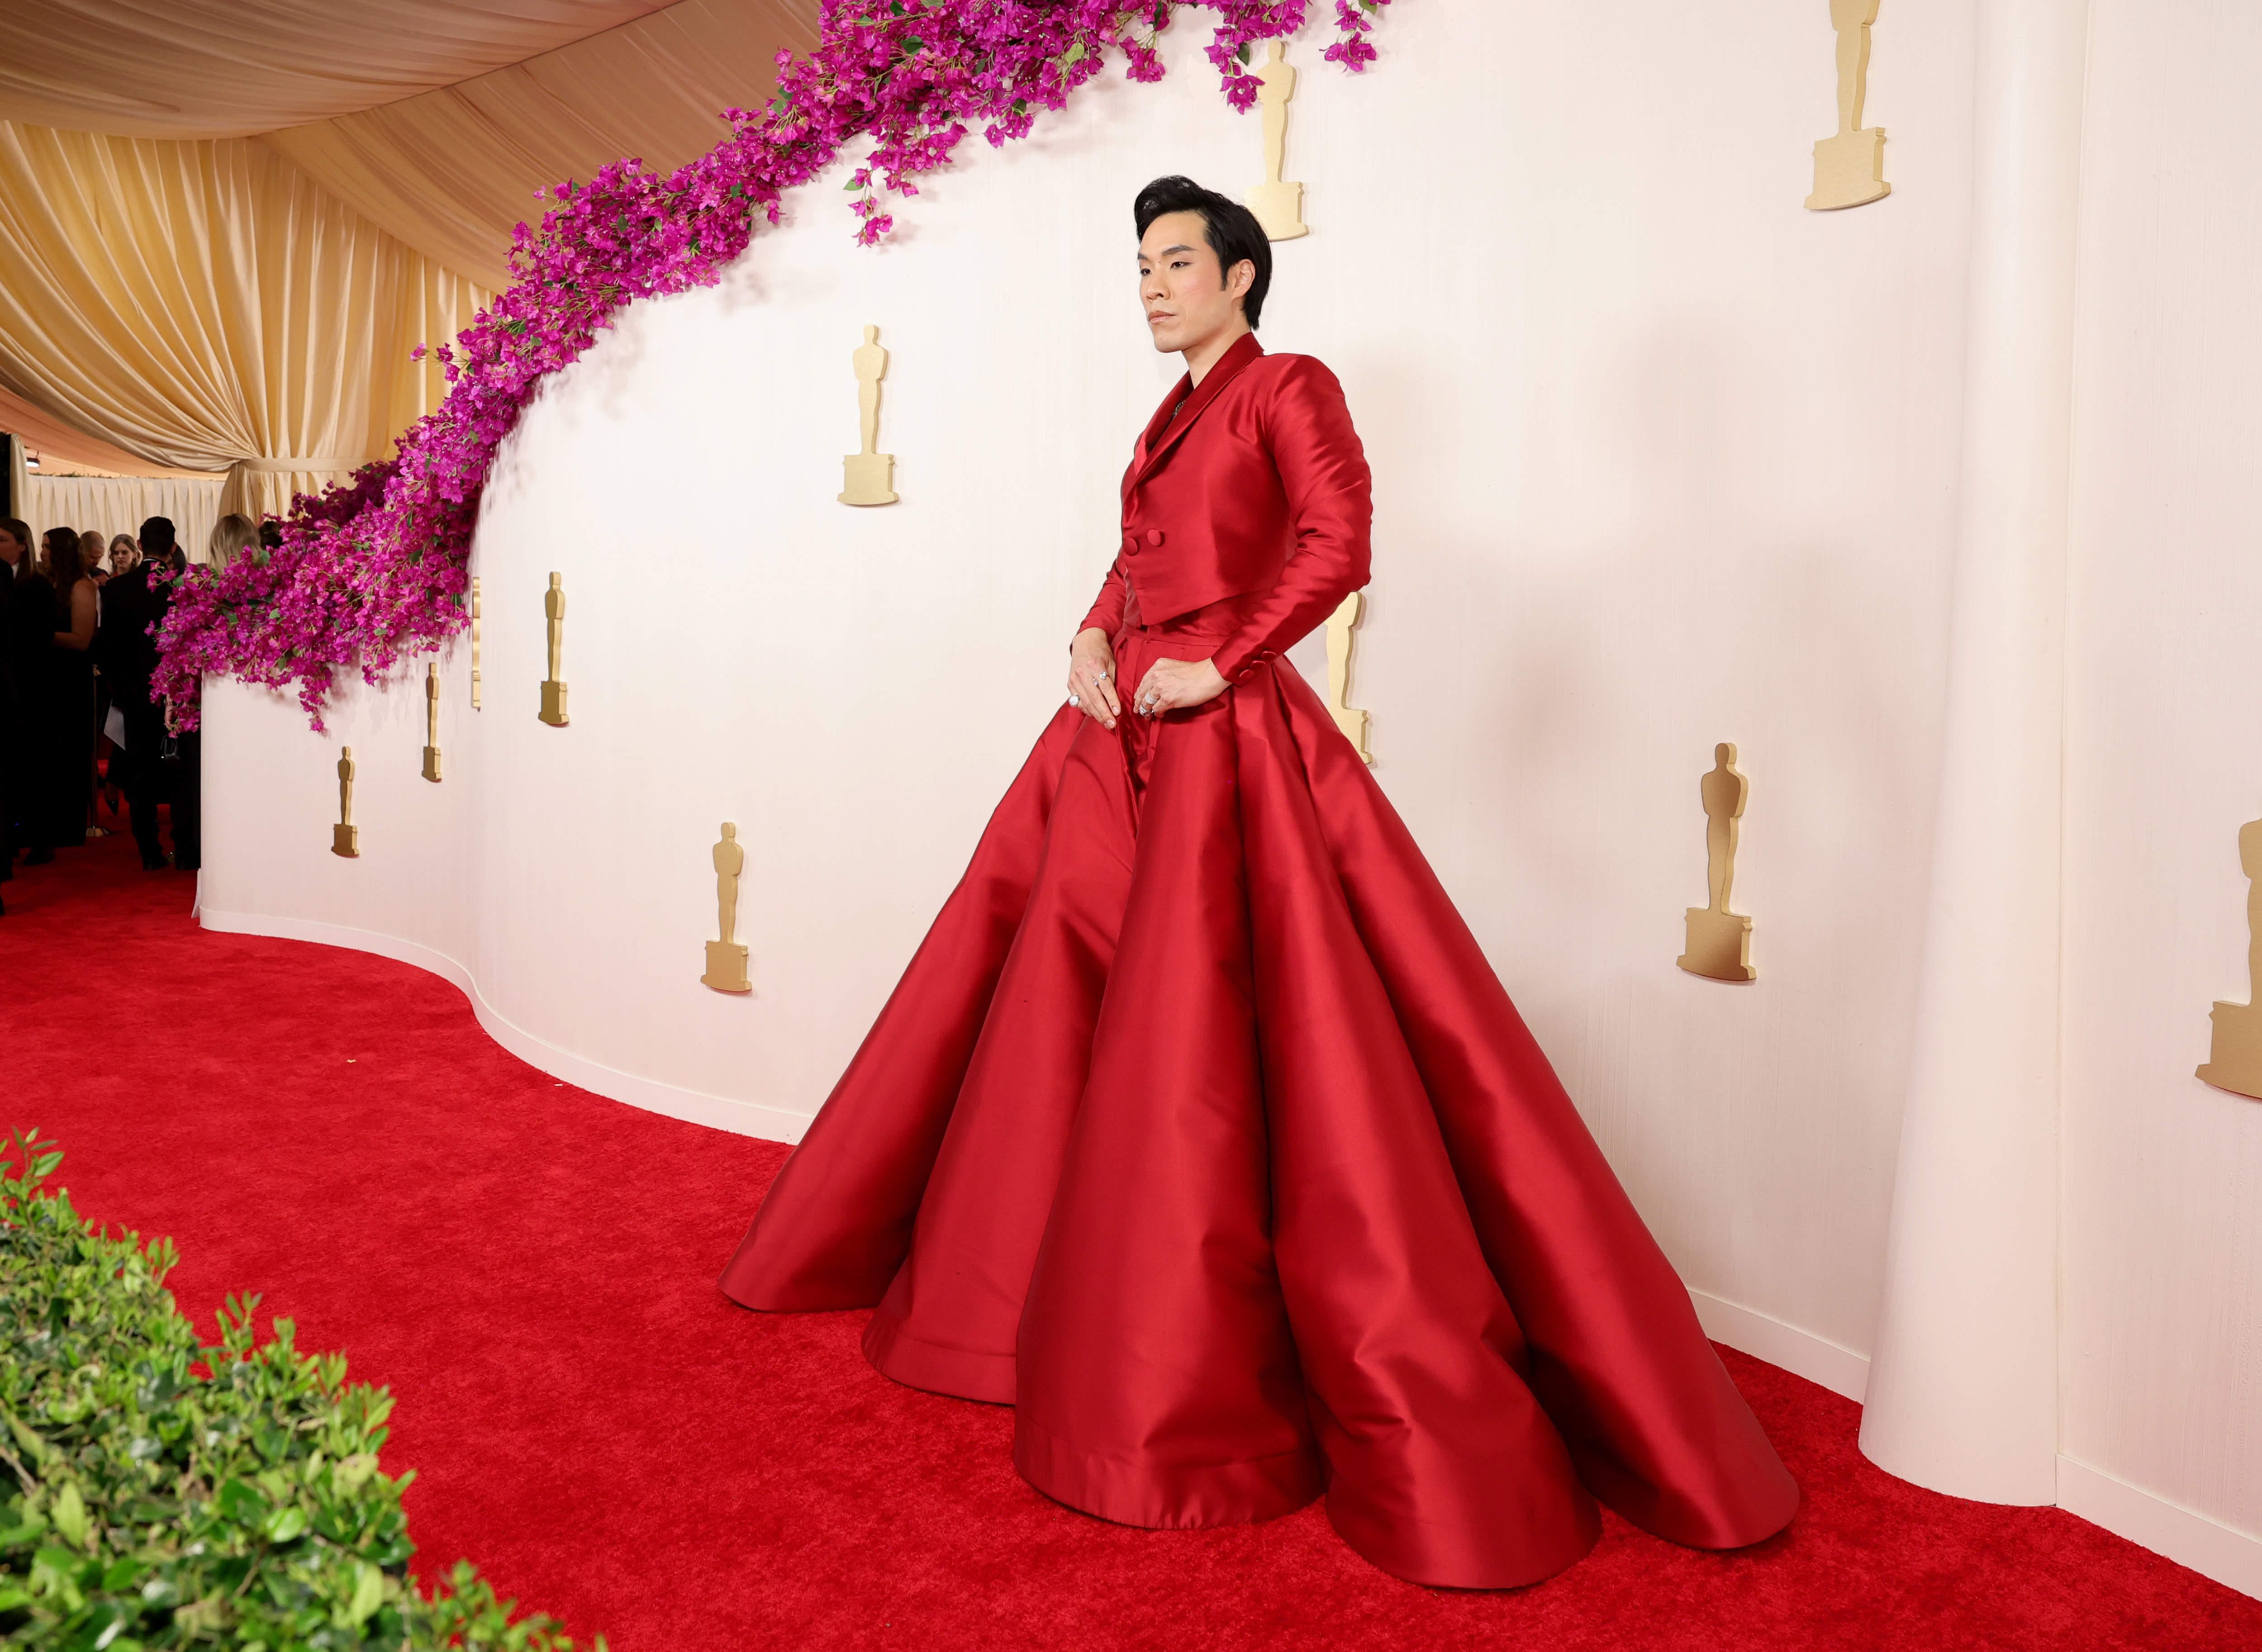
[(374, 570)]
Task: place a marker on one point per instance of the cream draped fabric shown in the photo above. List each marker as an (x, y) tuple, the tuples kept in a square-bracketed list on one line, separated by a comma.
[(453, 171), (80, 453), (115, 505), (226, 69), (206, 306), (178, 295)]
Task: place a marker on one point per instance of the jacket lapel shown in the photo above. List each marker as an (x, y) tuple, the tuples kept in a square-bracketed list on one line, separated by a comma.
[(1246, 349)]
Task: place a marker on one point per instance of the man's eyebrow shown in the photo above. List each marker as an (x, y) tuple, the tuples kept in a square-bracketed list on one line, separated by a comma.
[(1167, 251)]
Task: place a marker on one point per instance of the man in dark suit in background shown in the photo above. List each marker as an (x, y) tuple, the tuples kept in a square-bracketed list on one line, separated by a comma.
[(132, 605), (14, 550)]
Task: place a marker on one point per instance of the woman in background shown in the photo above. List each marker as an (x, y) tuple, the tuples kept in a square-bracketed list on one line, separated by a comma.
[(70, 691), (230, 536), (124, 553)]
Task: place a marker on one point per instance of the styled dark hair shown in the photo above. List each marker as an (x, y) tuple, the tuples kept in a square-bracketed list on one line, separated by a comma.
[(157, 537), (65, 566), (19, 530), (1231, 228)]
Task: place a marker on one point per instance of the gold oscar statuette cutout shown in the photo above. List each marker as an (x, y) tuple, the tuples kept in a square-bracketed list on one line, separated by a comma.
[(1849, 164), (1353, 724), (1720, 941), (726, 959), (868, 476), (2234, 1060), (345, 836), (553, 686), (432, 721), (475, 642), (1278, 206)]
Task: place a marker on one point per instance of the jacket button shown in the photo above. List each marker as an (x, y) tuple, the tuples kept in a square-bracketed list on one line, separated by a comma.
[(1154, 536)]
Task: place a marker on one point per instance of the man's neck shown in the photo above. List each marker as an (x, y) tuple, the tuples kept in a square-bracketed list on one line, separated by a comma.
[(1201, 357)]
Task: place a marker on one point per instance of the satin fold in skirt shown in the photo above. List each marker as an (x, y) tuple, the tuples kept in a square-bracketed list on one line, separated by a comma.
[(1200, 1131)]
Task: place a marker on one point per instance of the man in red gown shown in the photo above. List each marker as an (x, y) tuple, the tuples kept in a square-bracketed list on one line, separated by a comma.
[(1200, 1130)]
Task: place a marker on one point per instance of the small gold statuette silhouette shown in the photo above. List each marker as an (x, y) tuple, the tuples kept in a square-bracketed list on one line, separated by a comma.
[(1278, 206), (726, 959), (475, 642), (345, 836), (553, 687), (432, 721), (1353, 724), (1849, 165), (1720, 941), (2235, 1056), (870, 475)]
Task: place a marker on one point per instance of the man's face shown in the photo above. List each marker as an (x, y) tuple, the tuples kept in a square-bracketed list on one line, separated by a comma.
[(1186, 297)]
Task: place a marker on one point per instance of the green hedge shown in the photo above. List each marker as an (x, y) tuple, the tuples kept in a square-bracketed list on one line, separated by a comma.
[(162, 1493)]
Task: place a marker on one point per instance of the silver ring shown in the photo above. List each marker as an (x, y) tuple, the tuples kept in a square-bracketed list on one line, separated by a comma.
[(1073, 701)]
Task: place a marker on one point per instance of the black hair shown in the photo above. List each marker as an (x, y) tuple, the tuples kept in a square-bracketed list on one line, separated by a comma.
[(1231, 228), (66, 567), (157, 536)]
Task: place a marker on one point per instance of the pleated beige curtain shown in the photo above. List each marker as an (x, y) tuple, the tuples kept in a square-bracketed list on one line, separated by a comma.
[(205, 305), (115, 505)]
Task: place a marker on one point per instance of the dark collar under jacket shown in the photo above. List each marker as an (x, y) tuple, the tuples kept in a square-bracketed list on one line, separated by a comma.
[(1152, 444)]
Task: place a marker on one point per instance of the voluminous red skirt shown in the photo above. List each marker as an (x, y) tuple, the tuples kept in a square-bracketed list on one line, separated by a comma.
[(1200, 1131)]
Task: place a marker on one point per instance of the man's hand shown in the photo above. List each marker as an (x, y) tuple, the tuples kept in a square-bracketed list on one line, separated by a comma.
[(1091, 677), (1176, 685)]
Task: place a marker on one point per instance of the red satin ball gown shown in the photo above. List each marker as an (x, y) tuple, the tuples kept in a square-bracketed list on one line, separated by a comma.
[(1200, 1131)]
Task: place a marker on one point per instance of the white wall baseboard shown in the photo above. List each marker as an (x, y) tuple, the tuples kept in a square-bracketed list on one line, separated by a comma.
[(2231, 1557), (1800, 1353), (740, 1118)]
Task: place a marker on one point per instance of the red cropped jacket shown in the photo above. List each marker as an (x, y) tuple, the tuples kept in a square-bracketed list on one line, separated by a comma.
[(1260, 484)]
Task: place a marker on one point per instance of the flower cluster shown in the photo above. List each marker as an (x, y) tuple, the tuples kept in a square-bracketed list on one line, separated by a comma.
[(375, 570)]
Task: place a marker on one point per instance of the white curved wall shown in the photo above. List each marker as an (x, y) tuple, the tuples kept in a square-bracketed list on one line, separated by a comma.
[(1660, 462)]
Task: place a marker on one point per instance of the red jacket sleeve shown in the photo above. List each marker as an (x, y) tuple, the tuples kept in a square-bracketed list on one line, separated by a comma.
[(1107, 612), (1331, 503)]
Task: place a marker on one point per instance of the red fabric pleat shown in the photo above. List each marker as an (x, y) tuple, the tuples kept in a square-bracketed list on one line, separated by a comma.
[(1200, 1130), (853, 1200), (1162, 1386)]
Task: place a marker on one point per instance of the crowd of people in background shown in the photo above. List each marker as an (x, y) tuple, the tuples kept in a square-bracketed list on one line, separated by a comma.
[(77, 721)]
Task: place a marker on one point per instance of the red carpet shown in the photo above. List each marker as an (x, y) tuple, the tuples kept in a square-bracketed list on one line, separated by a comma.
[(531, 1270)]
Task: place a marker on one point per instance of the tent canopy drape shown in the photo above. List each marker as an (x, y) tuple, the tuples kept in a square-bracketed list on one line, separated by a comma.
[(453, 171), (204, 306), (227, 68), (180, 295)]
